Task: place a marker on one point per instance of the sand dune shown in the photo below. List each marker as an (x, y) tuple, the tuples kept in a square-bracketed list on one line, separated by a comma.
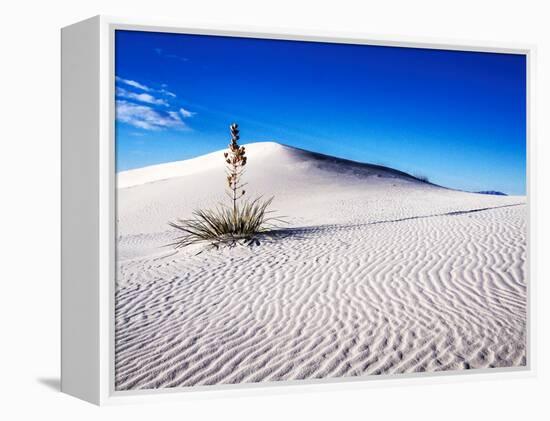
[(379, 273)]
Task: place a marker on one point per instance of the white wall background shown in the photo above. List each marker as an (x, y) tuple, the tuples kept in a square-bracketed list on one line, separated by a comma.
[(29, 223)]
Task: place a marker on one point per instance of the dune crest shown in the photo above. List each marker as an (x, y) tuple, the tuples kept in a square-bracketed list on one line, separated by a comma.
[(261, 153)]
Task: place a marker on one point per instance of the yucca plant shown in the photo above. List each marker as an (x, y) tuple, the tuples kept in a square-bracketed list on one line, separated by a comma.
[(241, 221), (223, 225)]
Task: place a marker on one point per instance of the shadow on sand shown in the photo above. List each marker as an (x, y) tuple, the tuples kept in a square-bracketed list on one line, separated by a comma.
[(304, 232)]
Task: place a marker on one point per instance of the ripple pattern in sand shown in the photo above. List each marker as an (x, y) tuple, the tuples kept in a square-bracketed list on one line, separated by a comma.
[(429, 294)]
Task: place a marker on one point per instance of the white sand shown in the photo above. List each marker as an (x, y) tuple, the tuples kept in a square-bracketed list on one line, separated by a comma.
[(384, 274)]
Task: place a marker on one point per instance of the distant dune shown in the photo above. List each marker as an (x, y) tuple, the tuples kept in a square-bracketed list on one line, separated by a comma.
[(381, 273)]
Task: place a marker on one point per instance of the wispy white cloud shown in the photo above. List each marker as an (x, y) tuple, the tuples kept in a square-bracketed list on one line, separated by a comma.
[(174, 115), (186, 113), (141, 97), (167, 93), (133, 83), (142, 87), (163, 53), (145, 117), (138, 105)]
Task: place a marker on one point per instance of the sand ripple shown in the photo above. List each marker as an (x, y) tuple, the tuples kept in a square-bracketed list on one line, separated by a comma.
[(430, 293)]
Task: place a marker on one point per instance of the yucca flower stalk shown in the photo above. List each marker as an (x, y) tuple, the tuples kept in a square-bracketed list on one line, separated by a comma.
[(236, 161)]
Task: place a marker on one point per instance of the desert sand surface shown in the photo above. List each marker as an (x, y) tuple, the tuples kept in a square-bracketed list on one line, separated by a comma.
[(379, 273)]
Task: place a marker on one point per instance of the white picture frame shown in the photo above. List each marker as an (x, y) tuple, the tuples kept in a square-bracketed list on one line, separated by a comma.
[(88, 213)]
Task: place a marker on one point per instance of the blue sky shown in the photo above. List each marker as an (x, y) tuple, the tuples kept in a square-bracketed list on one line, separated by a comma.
[(458, 118)]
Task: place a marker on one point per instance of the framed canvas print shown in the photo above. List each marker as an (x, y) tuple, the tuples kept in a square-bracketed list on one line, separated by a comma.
[(248, 209)]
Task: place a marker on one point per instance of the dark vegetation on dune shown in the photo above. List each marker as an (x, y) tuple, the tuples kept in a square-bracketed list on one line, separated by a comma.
[(491, 192)]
